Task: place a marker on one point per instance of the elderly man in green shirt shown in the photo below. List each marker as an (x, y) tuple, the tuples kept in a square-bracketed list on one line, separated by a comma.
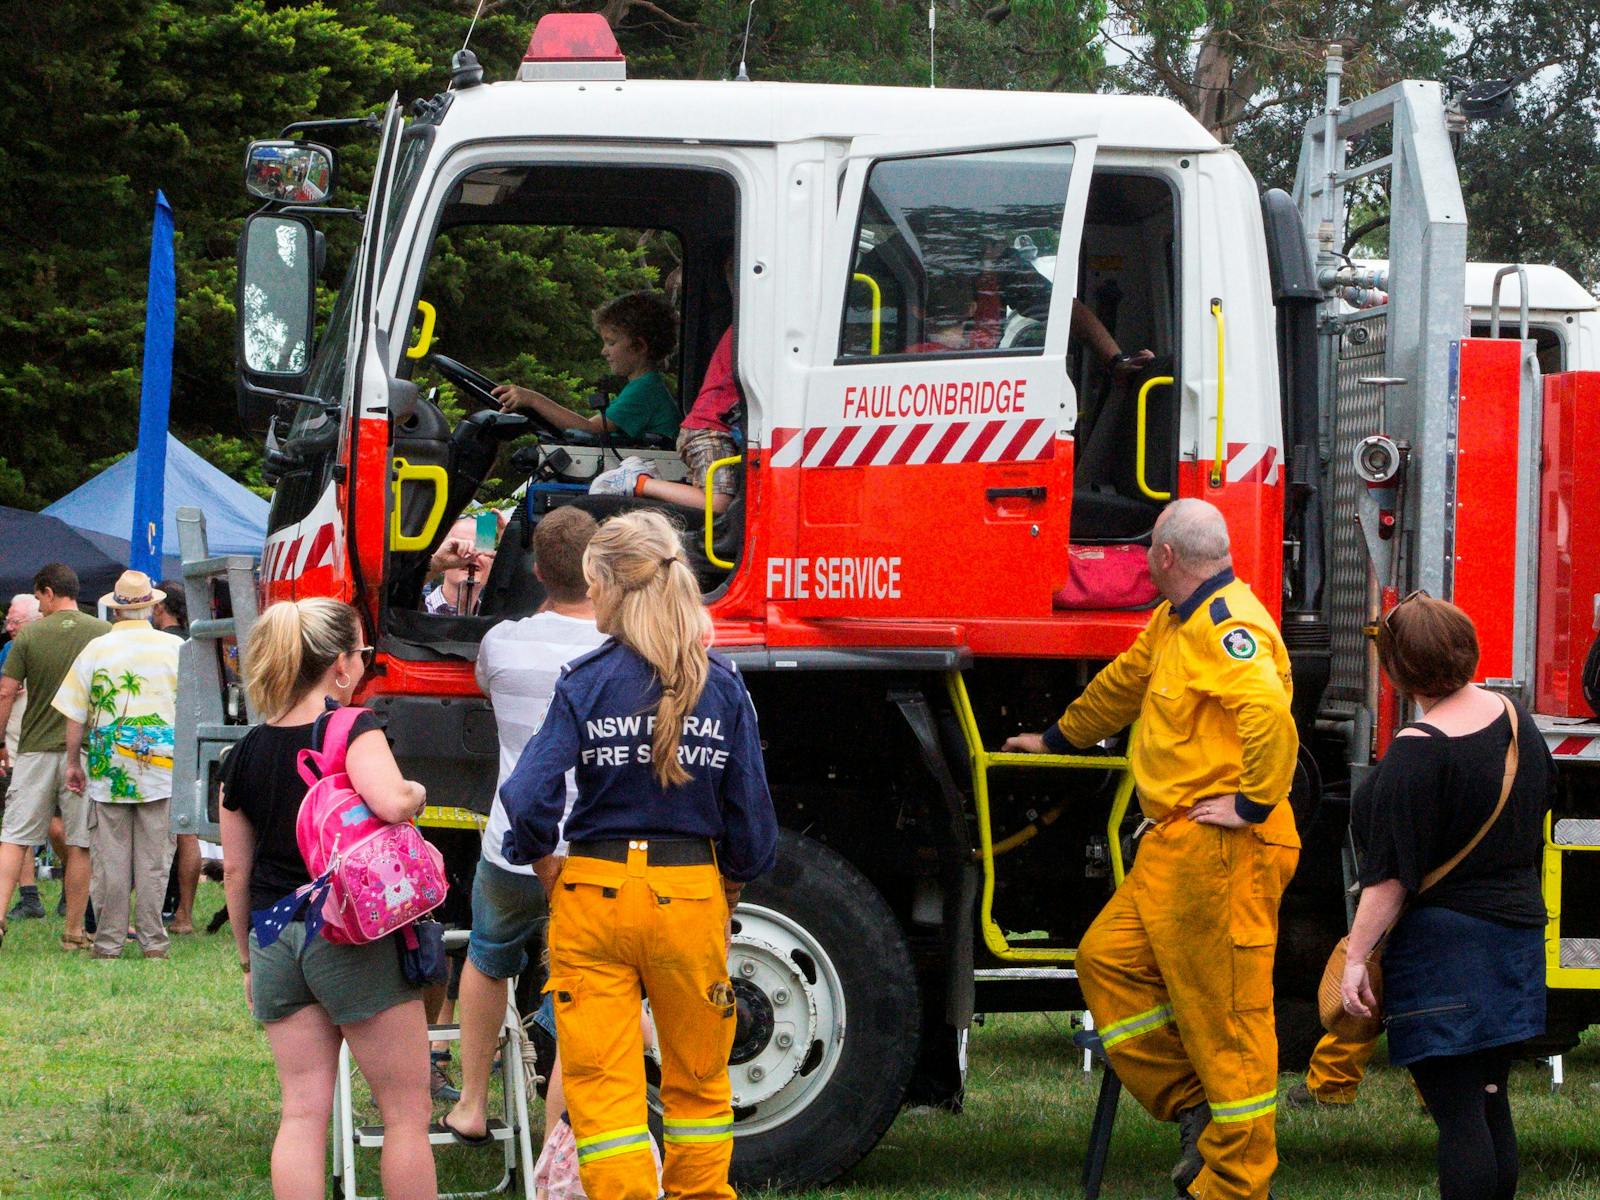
[(41, 655)]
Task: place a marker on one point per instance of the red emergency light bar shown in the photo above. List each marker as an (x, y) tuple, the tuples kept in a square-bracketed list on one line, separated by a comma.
[(563, 41)]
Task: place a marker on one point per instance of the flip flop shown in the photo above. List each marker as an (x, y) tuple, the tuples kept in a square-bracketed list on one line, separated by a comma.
[(464, 1139)]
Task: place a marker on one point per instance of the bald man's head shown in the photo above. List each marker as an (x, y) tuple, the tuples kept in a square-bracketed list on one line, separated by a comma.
[(1188, 545)]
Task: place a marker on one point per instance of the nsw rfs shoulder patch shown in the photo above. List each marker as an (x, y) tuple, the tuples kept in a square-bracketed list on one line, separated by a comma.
[(1239, 644)]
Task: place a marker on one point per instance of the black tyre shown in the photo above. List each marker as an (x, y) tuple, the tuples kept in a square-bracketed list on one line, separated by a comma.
[(828, 1019)]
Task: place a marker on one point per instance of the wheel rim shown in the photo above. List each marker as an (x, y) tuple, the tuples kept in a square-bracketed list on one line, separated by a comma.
[(792, 1019)]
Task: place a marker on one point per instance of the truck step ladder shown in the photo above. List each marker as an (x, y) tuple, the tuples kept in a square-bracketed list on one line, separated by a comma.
[(982, 761), (208, 672), (514, 1139)]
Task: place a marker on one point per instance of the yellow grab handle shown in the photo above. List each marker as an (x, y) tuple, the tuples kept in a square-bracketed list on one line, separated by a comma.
[(404, 472), (1138, 462), (877, 308), (430, 318), (711, 556), (1222, 445)]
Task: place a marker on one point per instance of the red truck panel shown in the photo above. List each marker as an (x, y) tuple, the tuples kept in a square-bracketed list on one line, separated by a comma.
[(1569, 532), (1488, 413)]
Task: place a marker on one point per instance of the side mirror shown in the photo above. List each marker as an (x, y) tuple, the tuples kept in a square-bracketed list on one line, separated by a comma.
[(276, 300), (288, 172)]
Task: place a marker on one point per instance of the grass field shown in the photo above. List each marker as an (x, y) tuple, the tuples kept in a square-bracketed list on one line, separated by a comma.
[(149, 1080)]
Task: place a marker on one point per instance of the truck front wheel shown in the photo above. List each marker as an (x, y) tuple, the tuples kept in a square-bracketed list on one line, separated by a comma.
[(828, 1019)]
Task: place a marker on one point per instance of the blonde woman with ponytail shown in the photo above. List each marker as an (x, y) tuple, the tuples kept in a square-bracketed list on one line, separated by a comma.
[(672, 818), (303, 657)]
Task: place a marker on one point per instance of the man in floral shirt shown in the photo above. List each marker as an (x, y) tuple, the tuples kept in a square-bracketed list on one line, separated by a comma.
[(120, 700)]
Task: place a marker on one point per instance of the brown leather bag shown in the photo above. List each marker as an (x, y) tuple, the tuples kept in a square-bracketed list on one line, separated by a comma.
[(1348, 1026)]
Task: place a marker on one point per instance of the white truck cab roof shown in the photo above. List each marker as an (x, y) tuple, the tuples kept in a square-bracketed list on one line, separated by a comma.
[(1550, 289), (775, 113)]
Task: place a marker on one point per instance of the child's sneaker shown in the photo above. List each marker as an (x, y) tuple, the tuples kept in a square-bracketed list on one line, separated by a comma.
[(621, 481)]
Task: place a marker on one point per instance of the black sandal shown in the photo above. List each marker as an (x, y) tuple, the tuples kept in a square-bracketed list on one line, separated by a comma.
[(464, 1139)]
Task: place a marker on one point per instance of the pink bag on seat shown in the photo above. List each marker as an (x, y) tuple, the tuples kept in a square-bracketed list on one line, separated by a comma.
[(1107, 577)]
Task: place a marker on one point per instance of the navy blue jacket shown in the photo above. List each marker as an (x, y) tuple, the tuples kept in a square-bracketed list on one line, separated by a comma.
[(600, 722)]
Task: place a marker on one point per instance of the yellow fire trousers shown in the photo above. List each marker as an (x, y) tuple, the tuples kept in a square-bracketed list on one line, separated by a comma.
[(617, 929), (1177, 970), (1337, 1069)]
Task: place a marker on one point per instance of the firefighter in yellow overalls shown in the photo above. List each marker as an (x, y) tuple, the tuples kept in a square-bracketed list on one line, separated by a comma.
[(672, 817), (1177, 968), (1337, 1068)]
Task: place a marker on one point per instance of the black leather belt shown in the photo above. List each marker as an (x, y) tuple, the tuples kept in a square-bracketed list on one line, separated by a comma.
[(659, 852)]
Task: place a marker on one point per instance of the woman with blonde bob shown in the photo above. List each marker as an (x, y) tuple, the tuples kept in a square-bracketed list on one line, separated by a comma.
[(1448, 834), (672, 819), (302, 658)]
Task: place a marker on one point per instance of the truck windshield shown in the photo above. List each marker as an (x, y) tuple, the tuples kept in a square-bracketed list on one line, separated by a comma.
[(328, 368)]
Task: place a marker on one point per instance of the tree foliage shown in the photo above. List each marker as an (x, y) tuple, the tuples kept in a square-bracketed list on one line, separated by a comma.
[(106, 101)]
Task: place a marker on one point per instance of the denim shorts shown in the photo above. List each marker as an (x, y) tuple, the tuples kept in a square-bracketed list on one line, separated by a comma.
[(351, 983), (508, 911), (1454, 984)]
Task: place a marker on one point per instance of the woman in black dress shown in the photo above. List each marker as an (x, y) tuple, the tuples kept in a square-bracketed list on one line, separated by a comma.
[(1464, 965)]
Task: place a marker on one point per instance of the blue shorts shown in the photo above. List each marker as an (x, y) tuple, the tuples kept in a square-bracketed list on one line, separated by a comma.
[(508, 911)]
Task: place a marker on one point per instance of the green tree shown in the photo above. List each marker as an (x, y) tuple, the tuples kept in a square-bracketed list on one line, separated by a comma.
[(106, 101)]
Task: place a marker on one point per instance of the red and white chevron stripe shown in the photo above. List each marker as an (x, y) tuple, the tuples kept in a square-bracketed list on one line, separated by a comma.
[(1570, 747), (1253, 462), (1019, 439)]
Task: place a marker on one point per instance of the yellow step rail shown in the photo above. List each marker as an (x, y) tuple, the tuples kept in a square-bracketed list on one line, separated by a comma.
[(982, 762), (1556, 975)]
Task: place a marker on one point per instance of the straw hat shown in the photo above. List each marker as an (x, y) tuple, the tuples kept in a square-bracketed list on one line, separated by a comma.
[(133, 592)]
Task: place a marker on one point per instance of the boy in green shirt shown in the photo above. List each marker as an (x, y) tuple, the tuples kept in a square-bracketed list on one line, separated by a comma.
[(637, 332)]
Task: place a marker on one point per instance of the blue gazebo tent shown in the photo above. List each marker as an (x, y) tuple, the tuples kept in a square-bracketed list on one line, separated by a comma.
[(236, 518)]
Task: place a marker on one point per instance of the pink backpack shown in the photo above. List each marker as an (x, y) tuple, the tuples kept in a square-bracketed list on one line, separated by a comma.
[(380, 877)]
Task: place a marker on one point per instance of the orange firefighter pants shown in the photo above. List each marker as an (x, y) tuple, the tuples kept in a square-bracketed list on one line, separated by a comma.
[(617, 929), (1177, 970), (1337, 1069)]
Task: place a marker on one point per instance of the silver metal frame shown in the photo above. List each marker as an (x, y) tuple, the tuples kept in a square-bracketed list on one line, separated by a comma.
[(202, 731), (1427, 276)]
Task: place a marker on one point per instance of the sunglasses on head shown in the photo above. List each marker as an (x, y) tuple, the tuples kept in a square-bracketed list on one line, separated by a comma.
[(367, 654), (1401, 603)]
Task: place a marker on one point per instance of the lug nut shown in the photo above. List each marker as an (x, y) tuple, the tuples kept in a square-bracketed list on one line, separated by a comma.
[(747, 968), (757, 1074), (784, 1041), (781, 996)]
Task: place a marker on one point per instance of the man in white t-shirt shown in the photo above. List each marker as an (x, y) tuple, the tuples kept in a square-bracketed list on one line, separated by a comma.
[(519, 663)]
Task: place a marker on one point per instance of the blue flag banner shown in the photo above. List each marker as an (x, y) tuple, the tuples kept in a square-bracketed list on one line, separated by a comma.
[(269, 923), (155, 396)]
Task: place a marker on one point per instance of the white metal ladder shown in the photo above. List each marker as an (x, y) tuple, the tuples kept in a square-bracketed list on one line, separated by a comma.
[(515, 1139)]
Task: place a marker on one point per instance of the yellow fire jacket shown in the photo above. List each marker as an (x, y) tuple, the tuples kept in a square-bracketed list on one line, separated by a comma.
[(1209, 683)]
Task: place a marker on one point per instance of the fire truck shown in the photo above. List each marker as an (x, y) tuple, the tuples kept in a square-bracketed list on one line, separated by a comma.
[(934, 540)]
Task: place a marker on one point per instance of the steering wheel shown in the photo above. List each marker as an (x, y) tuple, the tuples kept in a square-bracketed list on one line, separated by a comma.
[(478, 388)]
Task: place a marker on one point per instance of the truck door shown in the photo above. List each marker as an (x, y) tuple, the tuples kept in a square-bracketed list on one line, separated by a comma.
[(935, 459)]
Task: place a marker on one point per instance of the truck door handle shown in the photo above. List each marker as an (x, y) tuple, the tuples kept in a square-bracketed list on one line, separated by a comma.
[(1024, 493)]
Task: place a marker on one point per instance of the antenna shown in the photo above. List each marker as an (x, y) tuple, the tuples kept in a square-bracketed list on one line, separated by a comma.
[(933, 20), (749, 14), (478, 12)]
